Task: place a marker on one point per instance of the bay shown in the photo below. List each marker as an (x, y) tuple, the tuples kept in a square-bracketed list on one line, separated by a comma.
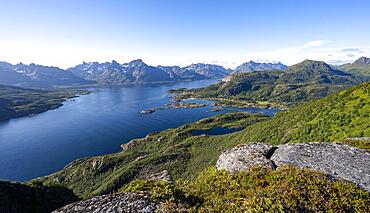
[(90, 125)]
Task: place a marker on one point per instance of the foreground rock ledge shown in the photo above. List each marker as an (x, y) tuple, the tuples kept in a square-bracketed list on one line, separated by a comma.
[(337, 160), (118, 202)]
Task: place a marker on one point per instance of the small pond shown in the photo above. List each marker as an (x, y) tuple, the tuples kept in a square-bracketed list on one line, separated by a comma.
[(216, 131)]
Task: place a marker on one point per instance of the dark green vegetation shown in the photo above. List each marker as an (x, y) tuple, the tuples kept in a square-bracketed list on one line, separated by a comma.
[(360, 67), (301, 82), (337, 117), (17, 102), (16, 197), (287, 189), (333, 118)]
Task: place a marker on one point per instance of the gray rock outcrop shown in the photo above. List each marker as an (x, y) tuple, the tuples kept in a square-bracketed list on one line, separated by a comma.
[(244, 156), (118, 202), (337, 160), (164, 175)]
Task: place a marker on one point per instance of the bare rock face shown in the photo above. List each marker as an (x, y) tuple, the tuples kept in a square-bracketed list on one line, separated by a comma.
[(118, 202), (164, 175), (244, 156), (337, 160)]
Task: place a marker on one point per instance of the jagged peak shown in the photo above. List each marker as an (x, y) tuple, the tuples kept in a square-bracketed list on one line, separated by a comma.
[(363, 61), (114, 62), (137, 62)]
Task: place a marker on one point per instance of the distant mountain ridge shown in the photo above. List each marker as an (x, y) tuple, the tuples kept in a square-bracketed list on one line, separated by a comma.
[(104, 74), (37, 76), (252, 66), (136, 72), (359, 67), (363, 61)]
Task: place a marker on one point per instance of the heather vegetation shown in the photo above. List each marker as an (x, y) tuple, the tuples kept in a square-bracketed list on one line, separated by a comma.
[(287, 189)]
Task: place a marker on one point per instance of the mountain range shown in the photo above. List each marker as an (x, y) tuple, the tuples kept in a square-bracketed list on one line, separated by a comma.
[(252, 66), (114, 73), (138, 72), (37, 76)]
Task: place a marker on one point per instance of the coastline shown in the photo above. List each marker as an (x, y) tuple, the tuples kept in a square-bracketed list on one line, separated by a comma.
[(59, 101)]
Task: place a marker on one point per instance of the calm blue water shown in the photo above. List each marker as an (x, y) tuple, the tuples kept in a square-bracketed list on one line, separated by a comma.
[(90, 125), (216, 131)]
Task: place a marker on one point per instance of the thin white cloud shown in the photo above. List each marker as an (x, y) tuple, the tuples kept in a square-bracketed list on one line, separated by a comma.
[(58, 54), (315, 50), (315, 43)]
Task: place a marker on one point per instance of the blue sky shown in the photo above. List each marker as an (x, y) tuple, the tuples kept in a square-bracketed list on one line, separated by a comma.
[(181, 32)]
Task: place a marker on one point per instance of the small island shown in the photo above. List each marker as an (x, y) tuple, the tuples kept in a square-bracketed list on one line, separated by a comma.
[(148, 111), (175, 104)]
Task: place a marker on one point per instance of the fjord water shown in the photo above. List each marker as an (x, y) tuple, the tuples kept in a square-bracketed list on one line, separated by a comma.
[(90, 125)]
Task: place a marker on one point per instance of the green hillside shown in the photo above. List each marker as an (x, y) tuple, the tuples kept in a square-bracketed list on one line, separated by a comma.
[(359, 67), (301, 82), (356, 69), (337, 117)]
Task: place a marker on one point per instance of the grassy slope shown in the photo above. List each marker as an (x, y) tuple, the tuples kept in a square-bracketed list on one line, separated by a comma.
[(337, 117), (330, 119), (356, 69), (17, 102)]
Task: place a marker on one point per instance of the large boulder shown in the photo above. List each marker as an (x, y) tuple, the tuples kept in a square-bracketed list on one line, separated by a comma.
[(161, 176), (244, 156), (337, 160), (118, 202)]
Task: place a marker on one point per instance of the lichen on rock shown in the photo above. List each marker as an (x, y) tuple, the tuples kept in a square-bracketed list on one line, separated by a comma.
[(117, 202)]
